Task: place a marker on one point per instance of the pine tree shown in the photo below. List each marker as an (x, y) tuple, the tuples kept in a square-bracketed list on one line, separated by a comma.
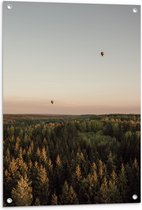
[(58, 161), (114, 194), (16, 169), (17, 146), (101, 170), (80, 157), (42, 176), (50, 165), (42, 184), (114, 177), (94, 167), (92, 179), (13, 167), (43, 156), (110, 163), (122, 180), (11, 131), (103, 195), (57, 175), (78, 173), (37, 202), (54, 199), (7, 158), (133, 176), (22, 193), (68, 195), (136, 177), (22, 166)]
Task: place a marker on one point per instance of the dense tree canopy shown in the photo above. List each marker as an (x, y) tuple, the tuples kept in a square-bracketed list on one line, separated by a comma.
[(71, 159)]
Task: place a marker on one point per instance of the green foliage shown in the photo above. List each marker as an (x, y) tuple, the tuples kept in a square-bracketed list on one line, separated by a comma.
[(71, 159)]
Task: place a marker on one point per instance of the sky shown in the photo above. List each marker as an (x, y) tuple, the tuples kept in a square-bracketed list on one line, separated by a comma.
[(51, 51)]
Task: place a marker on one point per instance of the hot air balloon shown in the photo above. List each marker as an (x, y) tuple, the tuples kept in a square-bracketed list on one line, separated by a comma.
[(102, 53)]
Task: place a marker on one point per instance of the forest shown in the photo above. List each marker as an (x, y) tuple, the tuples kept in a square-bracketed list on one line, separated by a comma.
[(60, 160)]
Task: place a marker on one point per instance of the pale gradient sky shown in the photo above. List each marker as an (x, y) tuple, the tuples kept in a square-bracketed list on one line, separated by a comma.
[(52, 51)]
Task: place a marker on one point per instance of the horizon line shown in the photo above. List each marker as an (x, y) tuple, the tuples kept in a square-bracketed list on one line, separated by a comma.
[(71, 114)]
